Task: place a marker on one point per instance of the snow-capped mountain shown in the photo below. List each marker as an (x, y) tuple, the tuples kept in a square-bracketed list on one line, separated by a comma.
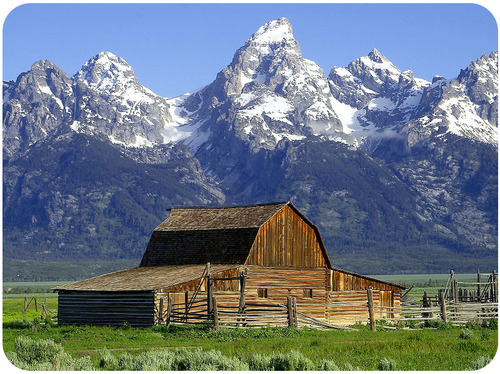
[(35, 106), (110, 100), (269, 92), (371, 153), (376, 101)]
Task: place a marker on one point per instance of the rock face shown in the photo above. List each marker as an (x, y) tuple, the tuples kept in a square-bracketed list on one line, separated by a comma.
[(110, 101), (382, 161), (36, 106)]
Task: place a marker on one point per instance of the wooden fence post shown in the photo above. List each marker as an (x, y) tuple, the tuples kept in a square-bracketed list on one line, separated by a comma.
[(371, 311), (160, 311), (216, 313), (210, 295), (478, 286), (426, 303), (25, 305), (36, 305), (494, 285), (294, 313), (289, 311), (443, 308), (241, 305), (454, 289), (44, 309), (169, 311)]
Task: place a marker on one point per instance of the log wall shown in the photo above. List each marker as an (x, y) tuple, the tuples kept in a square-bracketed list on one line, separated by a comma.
[(105, 308), (281, 282), (331, 295)]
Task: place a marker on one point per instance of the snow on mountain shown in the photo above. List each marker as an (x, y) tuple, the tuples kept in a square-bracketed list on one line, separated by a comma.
[(375, 100), (111, 101), (267, 93)]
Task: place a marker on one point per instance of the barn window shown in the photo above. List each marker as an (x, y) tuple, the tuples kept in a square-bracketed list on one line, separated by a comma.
[(262, 292), (308, 293)]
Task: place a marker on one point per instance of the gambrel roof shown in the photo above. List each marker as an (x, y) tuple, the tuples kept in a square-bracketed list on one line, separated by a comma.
[(222, 235)]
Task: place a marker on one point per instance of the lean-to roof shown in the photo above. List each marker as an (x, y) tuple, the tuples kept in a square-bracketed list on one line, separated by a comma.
[(143, 278)]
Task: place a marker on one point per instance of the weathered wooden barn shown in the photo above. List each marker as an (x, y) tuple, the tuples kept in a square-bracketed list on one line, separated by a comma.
[(259, 253)]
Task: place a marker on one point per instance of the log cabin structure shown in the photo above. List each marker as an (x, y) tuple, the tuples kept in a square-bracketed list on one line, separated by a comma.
[(239, 255)]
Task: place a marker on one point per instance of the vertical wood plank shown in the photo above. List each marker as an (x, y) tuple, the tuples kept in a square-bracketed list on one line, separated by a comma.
[(216, 313), (443, 308), (371, 312)]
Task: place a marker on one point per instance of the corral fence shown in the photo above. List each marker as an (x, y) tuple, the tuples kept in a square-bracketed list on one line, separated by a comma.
[(452, 304), (261, 314), (39, 307)]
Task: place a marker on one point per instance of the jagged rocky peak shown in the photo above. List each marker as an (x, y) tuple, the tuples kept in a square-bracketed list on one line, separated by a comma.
[(276, 31), (259, 59), (268, 92), (377, 72), (44, 78), (481, 85), (111, 101), (366, 78), (36, 106), (104, 71)]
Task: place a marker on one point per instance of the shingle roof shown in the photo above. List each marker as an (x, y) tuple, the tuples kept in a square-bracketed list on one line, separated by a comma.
[(143, 278), (199, 235), (249, 216)]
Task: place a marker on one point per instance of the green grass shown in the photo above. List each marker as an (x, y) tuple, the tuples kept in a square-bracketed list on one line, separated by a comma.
[(418, 349), (363, 349)]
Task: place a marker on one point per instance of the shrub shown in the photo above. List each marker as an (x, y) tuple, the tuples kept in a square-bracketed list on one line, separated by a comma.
[(466, 334), (281, 361), (32, 351), (126, 362), (260, 362), (292, 361), (107, 361), (30, 354), (480, 362), (206, 360), (387, 364), (327, 365), (153, 360), (83, 364)]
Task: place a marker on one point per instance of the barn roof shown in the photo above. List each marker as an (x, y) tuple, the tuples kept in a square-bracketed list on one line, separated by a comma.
[(143, 278), (236, 217), (222, 235)]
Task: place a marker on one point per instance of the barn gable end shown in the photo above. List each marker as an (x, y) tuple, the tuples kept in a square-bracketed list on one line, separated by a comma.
[(288, 239)]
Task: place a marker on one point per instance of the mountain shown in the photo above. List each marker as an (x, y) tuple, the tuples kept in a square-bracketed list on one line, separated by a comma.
[(400, 174)]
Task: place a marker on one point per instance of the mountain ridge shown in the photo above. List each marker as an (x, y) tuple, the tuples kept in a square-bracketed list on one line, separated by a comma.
[(271, 126)]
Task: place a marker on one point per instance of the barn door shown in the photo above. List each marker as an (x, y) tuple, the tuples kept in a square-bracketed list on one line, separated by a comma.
[(386, 300), (180, 300)]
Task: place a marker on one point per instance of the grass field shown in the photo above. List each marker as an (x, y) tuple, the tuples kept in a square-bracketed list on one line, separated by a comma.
[(442, 348)]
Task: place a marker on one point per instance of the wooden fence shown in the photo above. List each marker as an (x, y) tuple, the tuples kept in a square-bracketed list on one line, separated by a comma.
[(446, 311), (262, 314), (45, 313)]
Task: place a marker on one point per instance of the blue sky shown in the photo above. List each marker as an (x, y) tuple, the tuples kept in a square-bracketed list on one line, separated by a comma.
[(176, 48)]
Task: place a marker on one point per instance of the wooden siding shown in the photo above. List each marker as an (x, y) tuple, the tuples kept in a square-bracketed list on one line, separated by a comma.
[(105, 308), (282, 282), (341, 280), (287, 240), (344, 304), (349, 307)]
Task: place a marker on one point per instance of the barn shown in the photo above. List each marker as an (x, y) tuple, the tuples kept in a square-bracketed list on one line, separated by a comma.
[(238, 255)]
